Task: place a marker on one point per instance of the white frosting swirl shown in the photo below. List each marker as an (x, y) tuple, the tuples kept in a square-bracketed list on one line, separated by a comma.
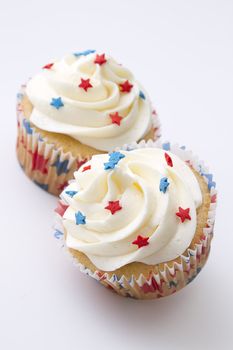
[(85, 115), (146, 210)]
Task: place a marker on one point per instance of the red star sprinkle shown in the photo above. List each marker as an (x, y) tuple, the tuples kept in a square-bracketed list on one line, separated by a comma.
[(168, 160), (116, 118), (126, 86), (141, 241), (85, 84), (61, 208), (100, 59), (39, 162), (88, 167), (183, 214), (48, 66), (113, 206)]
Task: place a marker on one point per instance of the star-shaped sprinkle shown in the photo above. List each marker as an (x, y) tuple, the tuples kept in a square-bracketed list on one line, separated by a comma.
[(168, 159), (126, 86), (166, 146), (100, 59), (142, 95), (116, 156), (114, 159), (57, 102), (85, 84), (83, 53), (113, 206), (48, 66), (61, 166), (141, 241), (71, 193), (61, 208), (88, 167), (183, 214), (164, 184), (80, 219), (109, 165), (116, 118)]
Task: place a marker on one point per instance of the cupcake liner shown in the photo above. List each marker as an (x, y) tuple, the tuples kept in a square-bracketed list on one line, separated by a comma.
[(175, 275), (49, 167)]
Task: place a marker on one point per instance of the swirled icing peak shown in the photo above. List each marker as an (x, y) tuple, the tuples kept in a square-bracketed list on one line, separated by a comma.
[(131, 206), (91, 98)]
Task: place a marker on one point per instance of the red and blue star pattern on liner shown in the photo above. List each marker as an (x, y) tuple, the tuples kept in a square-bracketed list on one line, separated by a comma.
[(41, 160), (166, 282)]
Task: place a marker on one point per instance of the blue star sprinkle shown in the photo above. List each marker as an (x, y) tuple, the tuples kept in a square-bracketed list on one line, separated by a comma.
[(80, 218), (61, 166), (164, 184), (71, 193), (83, 53), (166, 146), (27, 126), (57, 102), (114, 158), (142, 95), (109, 165)]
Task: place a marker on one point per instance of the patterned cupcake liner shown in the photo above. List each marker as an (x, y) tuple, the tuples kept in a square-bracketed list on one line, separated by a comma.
[(175, 275), (49, 167)]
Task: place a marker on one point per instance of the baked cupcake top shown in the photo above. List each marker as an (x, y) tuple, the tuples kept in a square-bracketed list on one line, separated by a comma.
[(91, 98), (131, 206)]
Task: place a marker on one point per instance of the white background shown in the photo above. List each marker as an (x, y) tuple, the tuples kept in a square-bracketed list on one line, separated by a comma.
[(182, 52)]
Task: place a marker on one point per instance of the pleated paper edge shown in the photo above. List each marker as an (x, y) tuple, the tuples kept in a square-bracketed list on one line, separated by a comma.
[(172, 278)]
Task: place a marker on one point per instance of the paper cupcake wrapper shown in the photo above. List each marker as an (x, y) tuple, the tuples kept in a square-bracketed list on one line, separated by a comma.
[(175, 275), (49, 167)]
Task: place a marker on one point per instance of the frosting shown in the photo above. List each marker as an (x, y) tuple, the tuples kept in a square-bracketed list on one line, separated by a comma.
[(131, 206), (91, 98)]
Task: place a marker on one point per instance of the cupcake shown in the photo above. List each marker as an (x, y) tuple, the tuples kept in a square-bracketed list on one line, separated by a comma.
[(81, 105), (139, 220)]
